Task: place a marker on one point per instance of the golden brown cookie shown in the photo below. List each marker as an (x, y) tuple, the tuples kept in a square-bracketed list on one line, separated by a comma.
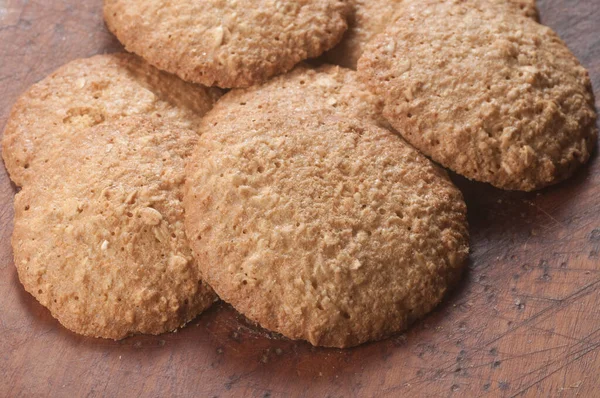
[(227, 43), (495, 97), (370, 18), (99, 236), (321, 227), (326, 89), (91, 91)]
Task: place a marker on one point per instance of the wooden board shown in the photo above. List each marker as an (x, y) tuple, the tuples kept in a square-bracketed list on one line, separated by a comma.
[(525, 322)]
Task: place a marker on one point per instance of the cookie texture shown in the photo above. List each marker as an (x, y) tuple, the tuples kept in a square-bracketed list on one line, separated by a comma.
[(99, 238), (227, 43), (495, 97), (369, 18), (327, 89), (87, 92), (527, 7), (318, 227)]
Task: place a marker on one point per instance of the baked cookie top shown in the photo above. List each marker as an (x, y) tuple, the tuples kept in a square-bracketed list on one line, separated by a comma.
[(99, 236), (87, 92), (327, 89), (369, 18), (495, 97), (227, 43), (321, 227)]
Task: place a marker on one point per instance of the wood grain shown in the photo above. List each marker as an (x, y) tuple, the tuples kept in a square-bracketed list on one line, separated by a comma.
[(525, 322)]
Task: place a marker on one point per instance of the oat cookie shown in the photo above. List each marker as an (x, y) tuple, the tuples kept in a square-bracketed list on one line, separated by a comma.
[(99, 238), (321, 228), (495, 97), (227, 43), (327, 89), (90, 91), (370, 18)]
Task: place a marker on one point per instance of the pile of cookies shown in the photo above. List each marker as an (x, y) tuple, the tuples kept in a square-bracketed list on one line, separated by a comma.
[(215, 163)]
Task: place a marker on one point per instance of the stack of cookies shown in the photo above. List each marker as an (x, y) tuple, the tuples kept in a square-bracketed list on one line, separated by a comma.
[(214, 163)]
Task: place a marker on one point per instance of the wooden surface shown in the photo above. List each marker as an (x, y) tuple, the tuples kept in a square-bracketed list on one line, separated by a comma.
[(525, 322)]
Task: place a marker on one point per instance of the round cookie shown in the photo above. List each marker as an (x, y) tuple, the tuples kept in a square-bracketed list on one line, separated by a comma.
[(90, 91), (326, 89), (320, 228), (99, 237), (227, 43), (497, 98), (370, 18)]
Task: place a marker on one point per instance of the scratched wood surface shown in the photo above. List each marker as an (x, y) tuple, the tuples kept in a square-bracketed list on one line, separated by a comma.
[(525, 322)]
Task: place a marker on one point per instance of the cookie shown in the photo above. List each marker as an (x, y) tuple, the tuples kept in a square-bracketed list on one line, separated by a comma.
[(321, 227), (495, 97), (227, 43), (91, 91), (370, 18), (326, 89), (99, 237)]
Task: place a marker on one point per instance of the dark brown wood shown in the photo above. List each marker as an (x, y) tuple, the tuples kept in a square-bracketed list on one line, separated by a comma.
[(525, 321)]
